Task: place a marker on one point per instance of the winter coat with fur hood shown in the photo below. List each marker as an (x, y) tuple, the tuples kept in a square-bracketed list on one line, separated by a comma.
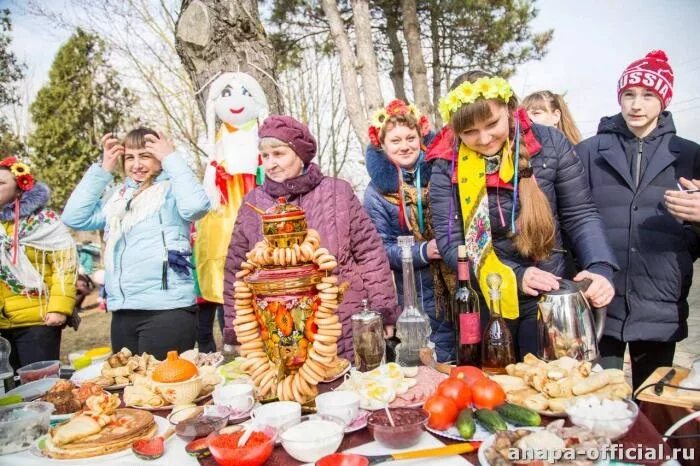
[(24, 310)]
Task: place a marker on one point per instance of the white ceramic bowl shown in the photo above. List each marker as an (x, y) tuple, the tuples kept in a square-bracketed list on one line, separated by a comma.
[(313, 437), (180, 393), (610, 423)]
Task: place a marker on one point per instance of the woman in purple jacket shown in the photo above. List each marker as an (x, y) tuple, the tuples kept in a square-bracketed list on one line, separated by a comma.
[(287, 149)]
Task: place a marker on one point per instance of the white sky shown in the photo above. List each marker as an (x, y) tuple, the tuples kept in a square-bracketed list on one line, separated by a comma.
[(594, 40)]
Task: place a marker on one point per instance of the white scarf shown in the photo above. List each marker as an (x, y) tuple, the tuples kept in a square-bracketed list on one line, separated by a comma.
[(120, 220), (45, 233)]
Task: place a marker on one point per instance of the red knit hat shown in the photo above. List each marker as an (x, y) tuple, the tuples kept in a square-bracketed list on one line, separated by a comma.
[(652, 72)]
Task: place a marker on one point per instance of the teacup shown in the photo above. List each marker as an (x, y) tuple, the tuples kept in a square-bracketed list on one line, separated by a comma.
[(340, 403), (238, 397), (278, 414)]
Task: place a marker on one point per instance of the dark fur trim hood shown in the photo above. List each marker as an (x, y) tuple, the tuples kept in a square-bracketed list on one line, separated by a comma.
[(383, 173), (31, 202)]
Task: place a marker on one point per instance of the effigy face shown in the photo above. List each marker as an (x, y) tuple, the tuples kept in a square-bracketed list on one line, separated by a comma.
[(286, 301), (239, 99)]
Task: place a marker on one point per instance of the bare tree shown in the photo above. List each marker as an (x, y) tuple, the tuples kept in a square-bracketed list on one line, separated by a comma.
[(366, 58), (141, 36), (416, 62), (225, 35)]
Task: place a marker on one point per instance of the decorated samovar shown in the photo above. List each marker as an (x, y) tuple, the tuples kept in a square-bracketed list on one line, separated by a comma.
[(286, 299)]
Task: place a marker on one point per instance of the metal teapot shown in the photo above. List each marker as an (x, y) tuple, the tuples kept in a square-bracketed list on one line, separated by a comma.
[(565, 323)]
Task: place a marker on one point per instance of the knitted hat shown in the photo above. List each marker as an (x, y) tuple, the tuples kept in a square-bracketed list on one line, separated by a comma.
[(652, 72), (292, 132)]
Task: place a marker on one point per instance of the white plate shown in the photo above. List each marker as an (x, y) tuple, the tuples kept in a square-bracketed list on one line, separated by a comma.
[(359, 423), (161, 422), (34, 389), (489, 441), (159, 408), (56, 418), (480, 434), (90, 372)]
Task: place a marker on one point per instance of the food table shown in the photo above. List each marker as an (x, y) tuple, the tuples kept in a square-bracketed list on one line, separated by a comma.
[(642, 433)]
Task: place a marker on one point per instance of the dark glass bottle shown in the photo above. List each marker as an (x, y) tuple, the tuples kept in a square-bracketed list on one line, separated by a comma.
[(466, 309), (497, 343)]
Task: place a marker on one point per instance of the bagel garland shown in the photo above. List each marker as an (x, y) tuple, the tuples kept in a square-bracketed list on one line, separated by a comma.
[(301, 385)]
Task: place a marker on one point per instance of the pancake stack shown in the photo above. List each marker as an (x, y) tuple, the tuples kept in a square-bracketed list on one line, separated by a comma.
[(130, 425)]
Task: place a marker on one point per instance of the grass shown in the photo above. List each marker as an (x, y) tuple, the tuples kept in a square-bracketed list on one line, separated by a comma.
[(94, 331)]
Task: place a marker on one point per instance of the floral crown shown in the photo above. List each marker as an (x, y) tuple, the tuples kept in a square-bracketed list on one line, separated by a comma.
[(21, 172), (396, 107), (468, 92)]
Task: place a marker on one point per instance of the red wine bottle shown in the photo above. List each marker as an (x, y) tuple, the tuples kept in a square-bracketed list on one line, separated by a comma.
[(466, 309)]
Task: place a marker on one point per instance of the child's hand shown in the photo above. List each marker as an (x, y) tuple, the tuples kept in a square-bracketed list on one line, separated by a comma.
[(111, 150), (160, 146)]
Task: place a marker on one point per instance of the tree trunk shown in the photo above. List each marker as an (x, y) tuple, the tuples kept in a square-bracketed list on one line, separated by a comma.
[(366, 57), (398, 65), (416, 63), (356, 113), (435, 41), (213, 36)]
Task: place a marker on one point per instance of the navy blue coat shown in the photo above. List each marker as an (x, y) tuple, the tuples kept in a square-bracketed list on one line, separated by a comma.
[(385, 216), (655, 251), (561, 177)]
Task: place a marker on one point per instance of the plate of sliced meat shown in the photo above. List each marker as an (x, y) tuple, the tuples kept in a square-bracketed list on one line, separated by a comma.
[(427, 380)]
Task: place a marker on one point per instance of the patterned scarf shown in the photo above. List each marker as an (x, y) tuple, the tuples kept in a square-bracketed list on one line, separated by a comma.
[(444, 279), (474, 202)]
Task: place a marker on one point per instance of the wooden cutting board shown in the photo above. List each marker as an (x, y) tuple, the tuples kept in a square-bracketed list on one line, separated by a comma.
[(670, 396)]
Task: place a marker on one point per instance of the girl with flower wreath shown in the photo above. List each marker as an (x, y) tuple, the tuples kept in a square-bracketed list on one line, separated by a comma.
[(397, 202), (508, 189), (38, 261)]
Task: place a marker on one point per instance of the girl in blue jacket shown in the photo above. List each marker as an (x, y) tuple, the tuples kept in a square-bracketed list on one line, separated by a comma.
[(150, 289), (397, 202)]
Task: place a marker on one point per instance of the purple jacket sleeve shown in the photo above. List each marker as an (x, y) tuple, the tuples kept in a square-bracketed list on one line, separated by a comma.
[(368, 250), (236, 254)]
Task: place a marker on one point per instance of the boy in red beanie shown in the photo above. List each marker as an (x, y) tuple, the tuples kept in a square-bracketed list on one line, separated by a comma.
[(635, 158)]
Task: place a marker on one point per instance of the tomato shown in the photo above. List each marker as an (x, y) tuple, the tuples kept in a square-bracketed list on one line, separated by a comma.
[(487, 394), (457, 390), (442, 410), (469, 374)]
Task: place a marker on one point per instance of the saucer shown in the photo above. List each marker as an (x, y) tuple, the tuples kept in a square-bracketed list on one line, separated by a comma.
[(360, 422)]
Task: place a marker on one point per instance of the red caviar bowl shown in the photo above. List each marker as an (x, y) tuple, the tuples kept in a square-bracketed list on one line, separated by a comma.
[(224, 447)]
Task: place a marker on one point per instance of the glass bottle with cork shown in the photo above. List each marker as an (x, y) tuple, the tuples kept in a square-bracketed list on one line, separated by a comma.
[(467, 315), (412, 326), (497, 349)]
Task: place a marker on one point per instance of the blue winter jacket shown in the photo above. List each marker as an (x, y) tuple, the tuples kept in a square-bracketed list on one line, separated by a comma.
[(135, 278), (655, 251), (561, 177), (385, 216)]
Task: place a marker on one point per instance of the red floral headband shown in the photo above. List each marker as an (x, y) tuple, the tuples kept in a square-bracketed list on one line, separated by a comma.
[(21, 172), (396, 107)]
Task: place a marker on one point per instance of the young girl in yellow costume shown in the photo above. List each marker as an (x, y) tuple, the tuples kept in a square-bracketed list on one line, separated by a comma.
[(507, 188), (38, 263)]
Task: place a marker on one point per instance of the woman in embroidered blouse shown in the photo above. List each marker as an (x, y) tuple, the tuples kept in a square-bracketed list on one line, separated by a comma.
[(150, 289), (507, 188), (37, 267)]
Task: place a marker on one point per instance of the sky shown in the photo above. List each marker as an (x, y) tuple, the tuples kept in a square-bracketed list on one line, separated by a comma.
[(594, 40)]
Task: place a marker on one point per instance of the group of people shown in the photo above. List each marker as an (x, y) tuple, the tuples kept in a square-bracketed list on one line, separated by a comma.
[(513, 183)]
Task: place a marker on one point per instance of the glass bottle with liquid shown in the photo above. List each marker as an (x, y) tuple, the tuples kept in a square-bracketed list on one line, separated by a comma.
[(412, 326), (467, 315), (497, 349)]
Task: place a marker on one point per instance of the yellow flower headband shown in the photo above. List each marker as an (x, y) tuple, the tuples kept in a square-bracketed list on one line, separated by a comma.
[(468, 92)]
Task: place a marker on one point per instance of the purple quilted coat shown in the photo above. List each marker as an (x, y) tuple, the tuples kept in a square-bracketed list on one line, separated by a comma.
[(346, 231)]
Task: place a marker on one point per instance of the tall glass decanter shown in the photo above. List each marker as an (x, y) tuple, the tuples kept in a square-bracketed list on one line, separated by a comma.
[(497, 350), (412, 326)]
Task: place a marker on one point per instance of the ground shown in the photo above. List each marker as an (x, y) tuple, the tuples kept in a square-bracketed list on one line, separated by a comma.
[(94, 331)]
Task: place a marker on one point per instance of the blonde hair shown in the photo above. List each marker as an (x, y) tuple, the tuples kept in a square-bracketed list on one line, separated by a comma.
[(535, 237), (549, 101)]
